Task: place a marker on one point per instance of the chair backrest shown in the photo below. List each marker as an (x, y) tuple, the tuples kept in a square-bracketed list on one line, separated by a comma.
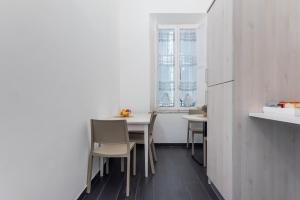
[(109, 131), (195, 111), (152, 121)]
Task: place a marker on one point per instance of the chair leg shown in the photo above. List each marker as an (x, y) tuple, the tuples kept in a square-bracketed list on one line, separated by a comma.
[(151, 161), (193, 148), (89, 173), (128, 176), (122, 164), (107, 166), (154, 151), (101, 166), (134, 160)]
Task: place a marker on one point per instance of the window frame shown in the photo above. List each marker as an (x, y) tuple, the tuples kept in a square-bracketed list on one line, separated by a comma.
[(177, 28)]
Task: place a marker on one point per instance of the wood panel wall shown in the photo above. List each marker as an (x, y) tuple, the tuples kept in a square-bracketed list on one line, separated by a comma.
[(266, 155)]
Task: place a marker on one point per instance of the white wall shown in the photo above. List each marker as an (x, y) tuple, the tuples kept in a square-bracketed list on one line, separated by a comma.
[(135, 45), (135, 57), (171, 128), (58, 69)]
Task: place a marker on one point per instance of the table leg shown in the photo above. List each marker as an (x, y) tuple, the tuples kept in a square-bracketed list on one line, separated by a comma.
[(205, 144), (146, 143), (204, 163), (188, 136), (205, 151)]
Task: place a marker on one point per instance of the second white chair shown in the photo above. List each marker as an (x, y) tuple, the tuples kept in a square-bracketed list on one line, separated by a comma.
[(138, 138)]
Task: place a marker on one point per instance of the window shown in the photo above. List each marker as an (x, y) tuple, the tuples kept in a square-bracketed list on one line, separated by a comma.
[(177, 67)]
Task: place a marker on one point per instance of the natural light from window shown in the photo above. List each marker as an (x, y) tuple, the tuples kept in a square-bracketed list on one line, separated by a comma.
[(177, 63)]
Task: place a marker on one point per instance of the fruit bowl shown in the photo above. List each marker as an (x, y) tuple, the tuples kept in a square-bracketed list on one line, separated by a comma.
[(125, 112)]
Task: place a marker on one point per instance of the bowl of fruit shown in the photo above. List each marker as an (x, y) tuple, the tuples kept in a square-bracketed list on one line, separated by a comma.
[(125, 112)]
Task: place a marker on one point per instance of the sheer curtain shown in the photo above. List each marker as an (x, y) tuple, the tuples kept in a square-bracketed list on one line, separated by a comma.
[(166, 65), (177, 67), (188, 64)]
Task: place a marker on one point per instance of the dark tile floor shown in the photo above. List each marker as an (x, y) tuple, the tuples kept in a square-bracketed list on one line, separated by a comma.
[(178, 177)]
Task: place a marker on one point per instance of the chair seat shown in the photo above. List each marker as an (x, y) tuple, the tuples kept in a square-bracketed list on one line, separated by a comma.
[(113, 150), (139, 138)]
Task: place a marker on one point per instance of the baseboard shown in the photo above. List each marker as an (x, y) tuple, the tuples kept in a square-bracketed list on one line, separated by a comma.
[(170, 144), (176, 144), (94, 180), (216, 191)]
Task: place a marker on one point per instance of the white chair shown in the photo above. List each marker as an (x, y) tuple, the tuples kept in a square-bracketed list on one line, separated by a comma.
[(112, 137), (138, 138)]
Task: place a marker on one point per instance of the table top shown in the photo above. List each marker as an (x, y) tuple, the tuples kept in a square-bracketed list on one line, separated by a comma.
[(195, 118), (141, 118)]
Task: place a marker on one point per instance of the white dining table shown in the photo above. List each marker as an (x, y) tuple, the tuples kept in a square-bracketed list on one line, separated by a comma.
[(139, 122), (195, 118)]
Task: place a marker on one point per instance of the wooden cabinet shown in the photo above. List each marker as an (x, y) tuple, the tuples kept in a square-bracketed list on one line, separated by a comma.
[(219, 42), (220, 96), (215, 21), (219, 138), (253, 58)]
